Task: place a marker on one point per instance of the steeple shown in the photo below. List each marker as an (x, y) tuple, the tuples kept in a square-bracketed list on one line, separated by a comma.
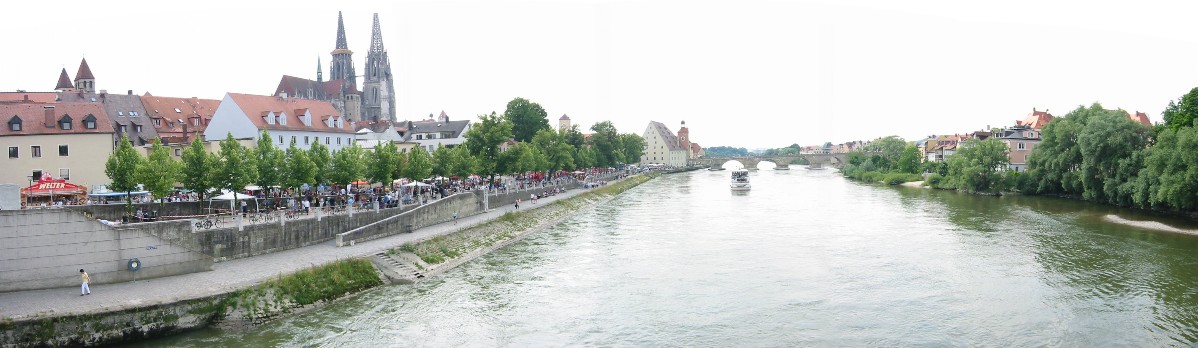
[(341, 33), (319, 71), (378, 86), (84, 81), (376, 37), (64, 82)]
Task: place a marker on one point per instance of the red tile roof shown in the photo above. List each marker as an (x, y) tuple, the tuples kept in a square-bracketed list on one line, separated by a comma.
[(36, 97), (257, 106), (64, 81), (84, 72), (1036, 119), (1140, 117), (188, 108), (33, 117)]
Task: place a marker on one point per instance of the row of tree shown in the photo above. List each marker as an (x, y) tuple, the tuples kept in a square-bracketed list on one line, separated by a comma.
[(536, 148)]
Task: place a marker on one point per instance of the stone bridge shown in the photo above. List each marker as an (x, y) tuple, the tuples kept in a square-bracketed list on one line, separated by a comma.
[(836, 160)]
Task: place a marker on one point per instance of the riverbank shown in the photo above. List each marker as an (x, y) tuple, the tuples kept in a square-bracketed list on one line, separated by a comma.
[(436, 255), (162, 306), (1148, 225)]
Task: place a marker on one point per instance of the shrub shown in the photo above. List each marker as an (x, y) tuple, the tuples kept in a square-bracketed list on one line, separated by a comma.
[(934, 180)]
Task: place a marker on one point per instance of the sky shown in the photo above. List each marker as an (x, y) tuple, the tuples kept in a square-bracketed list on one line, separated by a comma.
[(753, 74)]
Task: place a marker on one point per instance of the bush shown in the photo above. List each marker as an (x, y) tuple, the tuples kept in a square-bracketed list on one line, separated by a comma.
[(934, 180), (899, 178)]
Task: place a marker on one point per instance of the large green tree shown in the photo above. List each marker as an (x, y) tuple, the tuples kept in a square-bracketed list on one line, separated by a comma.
[(236, 168), (199, 168), (384, 161), (419, 166), (908, 162), (270, 161), (1090, 152), (632, 147), (1182, 112), (1169, 179), (348, 165), (300, 169), (575, 138), (159, 171), (885, 152), (978, 166), (606, 143), (527, 119), (483, 140), (462, 163), (323, 159), (442, 161), (553, 146), (122, 167)]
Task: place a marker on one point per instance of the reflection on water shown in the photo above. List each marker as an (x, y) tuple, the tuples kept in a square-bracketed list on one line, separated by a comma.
[(804, 259)]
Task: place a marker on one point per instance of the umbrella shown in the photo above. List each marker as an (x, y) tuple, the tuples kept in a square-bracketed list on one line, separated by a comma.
[(417, 183), (229, 196), (359, 182)]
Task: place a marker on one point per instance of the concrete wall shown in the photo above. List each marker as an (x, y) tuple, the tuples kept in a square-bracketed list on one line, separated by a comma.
[(465, 204), (114, 211), (42, 249)]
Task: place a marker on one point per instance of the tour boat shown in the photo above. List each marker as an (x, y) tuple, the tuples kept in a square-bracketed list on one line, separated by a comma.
[(740, 180)]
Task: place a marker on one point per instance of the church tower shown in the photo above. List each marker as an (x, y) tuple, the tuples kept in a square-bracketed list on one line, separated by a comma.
[(64, 82), (84, 81), (563, 124), (319, 71), (343, 63), (378, 87)]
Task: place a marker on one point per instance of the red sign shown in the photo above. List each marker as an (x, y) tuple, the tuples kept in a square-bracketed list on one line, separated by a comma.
[(48, 186)]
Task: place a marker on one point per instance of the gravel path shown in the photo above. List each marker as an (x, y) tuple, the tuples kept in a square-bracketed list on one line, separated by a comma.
[(224, 277)]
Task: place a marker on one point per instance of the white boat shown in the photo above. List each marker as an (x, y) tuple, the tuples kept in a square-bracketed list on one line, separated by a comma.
[(740, 180)]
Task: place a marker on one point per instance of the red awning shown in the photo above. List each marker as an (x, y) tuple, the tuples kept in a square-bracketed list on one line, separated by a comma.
[(47, 187)]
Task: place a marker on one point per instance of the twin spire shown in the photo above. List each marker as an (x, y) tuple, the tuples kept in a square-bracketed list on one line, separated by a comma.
[(341, 33), (376, 36), (84, 80)]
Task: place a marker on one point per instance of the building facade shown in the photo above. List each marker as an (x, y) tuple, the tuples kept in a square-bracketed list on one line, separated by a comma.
[(663, 147), (178, 120), (70, 141), (125, 111), (303, 121), (432, 133), (378, 88)]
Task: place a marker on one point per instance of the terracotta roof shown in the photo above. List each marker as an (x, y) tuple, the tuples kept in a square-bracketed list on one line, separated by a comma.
[(298, 87), (64, 81), (255, 106), (1140, 117), (670, 139), (164, 108), (37, 97), (84, 72), (33, 116), (1036, 119)]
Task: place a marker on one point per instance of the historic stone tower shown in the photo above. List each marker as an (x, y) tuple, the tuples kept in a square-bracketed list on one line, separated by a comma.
[(684, 138), (343, 62), (563, 124), (84, 81), (378, 87)]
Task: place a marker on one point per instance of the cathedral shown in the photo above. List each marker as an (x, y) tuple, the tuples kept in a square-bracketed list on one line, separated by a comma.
[(374, 102)]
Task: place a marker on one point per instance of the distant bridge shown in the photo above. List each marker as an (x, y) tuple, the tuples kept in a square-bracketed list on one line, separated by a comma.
[(836, 160)]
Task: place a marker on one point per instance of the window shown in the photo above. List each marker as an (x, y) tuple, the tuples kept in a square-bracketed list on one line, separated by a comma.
[(13, 152), (122, 129), (178, 153), (157, 122), (305, 140), (62, 150), (327, 140), (120, 113), (64, 173), (338, 141), (177, 111), (280, 140), (137, 128), (37, 174), (1020, 146), (195, 121), (419, 136), (14, 124), (89, 122), (36, 150), (65, 125), (293, 138)]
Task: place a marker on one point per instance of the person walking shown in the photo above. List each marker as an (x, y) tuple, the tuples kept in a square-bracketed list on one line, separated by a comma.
[(533, 197), (517, 204), (84, 290), (455, 217)]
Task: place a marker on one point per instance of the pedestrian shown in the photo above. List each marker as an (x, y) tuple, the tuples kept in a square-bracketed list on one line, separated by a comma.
[(517, 204), (307, 206), (244, 208), (455, 217), (533, 197), (84, 290)]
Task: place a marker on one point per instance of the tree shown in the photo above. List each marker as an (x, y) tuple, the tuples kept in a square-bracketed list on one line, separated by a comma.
[(300, 169), (606, 142), (633, 146), (419, 164), (558, 154), (1167, 180), (323, 159), (888, 149), (159, 172), (509, 161), (383, 162), (483, 140), (724, 151), (908, 162), (442, 161), (462, 163), (1183, 112), (122, 168), (347, 166), (585, 158), (575, 138), (1090, 152), (527, 119), (977, 165), (198, 168), (270, 162), (236, 168)]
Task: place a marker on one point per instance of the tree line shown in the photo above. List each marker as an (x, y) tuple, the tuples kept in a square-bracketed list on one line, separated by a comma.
[(536, 148)]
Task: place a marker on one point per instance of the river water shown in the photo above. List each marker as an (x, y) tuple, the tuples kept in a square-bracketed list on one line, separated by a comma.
[(806, 259)]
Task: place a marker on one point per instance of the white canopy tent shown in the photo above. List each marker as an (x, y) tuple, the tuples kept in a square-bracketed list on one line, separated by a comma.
[(231, 196)]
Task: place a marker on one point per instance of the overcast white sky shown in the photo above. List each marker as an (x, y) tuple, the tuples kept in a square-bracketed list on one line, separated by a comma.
[(740, 73)]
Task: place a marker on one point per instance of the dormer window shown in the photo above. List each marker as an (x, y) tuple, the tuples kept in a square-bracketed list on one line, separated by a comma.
[(89, 122), (64, 123), (14, 124)]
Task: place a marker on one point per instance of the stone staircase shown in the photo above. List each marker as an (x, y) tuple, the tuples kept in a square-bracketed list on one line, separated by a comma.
[(398, 270)]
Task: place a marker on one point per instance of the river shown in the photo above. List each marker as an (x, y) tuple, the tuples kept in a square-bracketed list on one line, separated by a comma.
[(806, 259)]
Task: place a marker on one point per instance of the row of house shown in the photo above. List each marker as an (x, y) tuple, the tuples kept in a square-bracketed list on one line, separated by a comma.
[(1021, 138), (70, 133)]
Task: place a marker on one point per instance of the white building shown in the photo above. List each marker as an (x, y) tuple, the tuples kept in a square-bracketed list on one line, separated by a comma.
[(663, 147), (287, 119), (432, 133)]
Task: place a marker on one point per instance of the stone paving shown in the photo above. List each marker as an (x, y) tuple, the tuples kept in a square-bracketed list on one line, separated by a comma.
[(225, 276)]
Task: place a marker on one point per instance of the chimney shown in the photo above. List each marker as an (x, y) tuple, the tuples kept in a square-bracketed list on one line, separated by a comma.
[(184, 130), (49, 120), (130, 92), (26, 97)]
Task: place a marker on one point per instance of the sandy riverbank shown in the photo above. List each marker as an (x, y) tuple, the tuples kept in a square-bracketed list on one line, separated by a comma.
[(1149, 225), (913, 184)]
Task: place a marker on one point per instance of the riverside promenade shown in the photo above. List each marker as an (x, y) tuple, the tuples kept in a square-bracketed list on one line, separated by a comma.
[(225, 276)]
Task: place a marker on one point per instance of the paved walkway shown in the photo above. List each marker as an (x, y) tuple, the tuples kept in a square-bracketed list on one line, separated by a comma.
[(225, 276)]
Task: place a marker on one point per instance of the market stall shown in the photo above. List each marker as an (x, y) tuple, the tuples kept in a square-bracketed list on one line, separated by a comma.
[(49, 191)]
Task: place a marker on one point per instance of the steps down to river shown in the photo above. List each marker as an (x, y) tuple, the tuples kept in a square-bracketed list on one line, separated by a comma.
[(399, 271)]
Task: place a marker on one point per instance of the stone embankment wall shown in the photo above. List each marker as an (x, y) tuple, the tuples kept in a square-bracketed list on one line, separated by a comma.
[(114, 212), (42, 249)]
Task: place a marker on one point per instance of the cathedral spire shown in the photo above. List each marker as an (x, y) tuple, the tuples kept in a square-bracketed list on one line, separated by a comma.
[(341, 32), (376, 37), (319, 71), (64, 82)]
